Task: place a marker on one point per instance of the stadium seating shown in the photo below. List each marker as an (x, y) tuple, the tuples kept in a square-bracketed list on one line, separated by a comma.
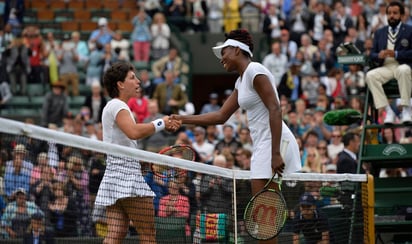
[(81, 14), (36, 90), (119, 15), (108, 4), (58, 4), (93, 4), (75, 5), (64, 17)]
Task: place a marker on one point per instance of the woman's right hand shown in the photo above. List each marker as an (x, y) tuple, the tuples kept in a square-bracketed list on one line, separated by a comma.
[(171, 124)]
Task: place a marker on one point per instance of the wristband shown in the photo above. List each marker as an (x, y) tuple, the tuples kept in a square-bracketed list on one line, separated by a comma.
[(159, 124)]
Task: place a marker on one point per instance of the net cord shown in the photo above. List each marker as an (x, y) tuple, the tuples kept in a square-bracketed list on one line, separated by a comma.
[(19, 128)]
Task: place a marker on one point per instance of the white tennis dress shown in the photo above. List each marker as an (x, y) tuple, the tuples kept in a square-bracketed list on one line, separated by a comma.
[(123, 177), (258, 121)]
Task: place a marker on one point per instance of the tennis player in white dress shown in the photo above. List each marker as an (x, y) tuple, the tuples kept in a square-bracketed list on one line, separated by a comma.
[(256, 93), (123, 192)]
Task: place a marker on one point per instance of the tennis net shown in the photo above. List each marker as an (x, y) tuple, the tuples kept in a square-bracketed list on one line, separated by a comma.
[(210, 208)]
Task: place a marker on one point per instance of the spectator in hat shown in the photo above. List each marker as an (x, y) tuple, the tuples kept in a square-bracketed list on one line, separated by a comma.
[(227, 94), (310, 222), (36, 232), (16, 217), (103, 34), (213, 105), (17, 172), (55, 105), (201, 145)]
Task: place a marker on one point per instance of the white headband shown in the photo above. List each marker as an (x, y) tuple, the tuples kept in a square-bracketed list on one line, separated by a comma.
[(233, 43)]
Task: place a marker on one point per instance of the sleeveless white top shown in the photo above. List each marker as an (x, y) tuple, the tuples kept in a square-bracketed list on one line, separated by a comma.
[(258, 121)]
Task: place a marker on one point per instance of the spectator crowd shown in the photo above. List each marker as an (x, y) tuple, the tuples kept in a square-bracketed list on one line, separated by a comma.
[(60, 182)]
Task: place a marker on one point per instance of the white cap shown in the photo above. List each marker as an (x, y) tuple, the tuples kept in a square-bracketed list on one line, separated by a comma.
[(102, 21), (233, 43), (95, 83)]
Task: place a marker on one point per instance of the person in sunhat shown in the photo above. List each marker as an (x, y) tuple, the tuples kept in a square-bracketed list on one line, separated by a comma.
[(55, 105), (310, 222), (17, 172), (17, 215)]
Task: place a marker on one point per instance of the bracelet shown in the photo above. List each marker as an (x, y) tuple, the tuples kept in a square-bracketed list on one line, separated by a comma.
[(159, 124)]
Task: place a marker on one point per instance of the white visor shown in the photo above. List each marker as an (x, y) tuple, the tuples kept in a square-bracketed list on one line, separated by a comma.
[(233, 43)]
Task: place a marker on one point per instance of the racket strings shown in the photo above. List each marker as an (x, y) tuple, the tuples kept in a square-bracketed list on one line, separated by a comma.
[(265, 215), (179, 151), (185, 152)]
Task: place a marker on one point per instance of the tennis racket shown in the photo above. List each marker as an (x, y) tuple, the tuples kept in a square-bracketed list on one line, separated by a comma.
[(266, 211), (182, 151)]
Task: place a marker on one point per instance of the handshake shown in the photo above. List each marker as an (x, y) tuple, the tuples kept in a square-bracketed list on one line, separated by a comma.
[(172, 124)]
